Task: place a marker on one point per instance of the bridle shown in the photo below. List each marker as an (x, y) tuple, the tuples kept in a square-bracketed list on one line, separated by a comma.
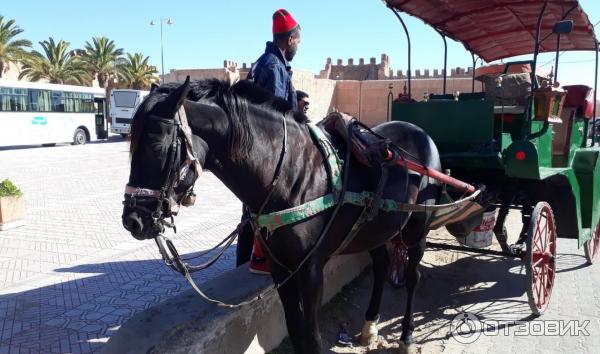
[(176, 174)]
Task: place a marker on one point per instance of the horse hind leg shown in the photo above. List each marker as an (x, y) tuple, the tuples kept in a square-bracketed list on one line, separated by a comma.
[(381, 261)]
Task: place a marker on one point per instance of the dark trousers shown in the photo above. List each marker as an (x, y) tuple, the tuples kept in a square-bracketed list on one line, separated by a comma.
[(245, 240)]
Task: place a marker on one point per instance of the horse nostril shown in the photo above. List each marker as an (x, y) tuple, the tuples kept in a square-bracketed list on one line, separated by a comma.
[(133, 223)]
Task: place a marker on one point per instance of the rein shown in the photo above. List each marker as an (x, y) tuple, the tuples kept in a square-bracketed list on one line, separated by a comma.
[(172, 258)]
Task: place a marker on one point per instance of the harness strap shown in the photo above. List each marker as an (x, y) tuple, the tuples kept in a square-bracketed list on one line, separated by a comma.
[(141, 192), (258, 231), (370, 209), (334, 164), (187, 134)]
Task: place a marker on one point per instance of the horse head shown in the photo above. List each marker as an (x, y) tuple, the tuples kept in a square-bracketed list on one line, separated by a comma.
[(163, 165)]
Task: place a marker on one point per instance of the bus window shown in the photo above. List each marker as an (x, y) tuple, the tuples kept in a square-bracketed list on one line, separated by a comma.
[(13, 99), (57, 104), (39, 101), (125, 99)]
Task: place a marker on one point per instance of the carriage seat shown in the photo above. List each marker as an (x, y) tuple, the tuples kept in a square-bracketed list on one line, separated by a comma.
[(508, 91), (577, 103), (580, 97)]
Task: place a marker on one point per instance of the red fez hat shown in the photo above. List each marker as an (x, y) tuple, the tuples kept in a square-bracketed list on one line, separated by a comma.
[(283, 22)]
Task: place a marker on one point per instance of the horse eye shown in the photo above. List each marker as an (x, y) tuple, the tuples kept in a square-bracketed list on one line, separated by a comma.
[(157, 147)]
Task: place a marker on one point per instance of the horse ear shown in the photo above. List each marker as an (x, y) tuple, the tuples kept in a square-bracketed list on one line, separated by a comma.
[(153, 87), (180, 94)]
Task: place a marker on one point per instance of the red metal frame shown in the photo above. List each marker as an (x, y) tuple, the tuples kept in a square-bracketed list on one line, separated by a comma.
[(439, 176)]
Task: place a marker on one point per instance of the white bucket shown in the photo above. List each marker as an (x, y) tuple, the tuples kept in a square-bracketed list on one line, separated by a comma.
[(483, 234)]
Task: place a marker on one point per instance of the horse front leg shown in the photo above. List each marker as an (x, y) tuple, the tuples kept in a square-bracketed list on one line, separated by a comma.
[(381, 262), (289, 294), (415, 254), (301, 297), (311, 278)]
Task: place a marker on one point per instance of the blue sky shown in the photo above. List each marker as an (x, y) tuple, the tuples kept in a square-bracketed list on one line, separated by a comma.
[(206, 32)]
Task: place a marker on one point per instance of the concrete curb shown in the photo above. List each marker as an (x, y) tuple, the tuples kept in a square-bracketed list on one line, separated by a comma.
[(188, 324)]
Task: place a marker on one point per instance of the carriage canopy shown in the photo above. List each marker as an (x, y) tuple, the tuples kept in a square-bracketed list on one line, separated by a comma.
[(497, 29)]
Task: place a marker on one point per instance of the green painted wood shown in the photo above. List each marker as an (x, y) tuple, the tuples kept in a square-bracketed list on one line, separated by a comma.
[(586, 164), (528, 167), (455, 126)]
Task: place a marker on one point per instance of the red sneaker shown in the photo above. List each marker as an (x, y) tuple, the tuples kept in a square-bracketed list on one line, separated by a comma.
[(258, 265), (258, 262)]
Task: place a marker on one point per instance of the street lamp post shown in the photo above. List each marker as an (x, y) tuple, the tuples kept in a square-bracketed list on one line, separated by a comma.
[(162, 57)]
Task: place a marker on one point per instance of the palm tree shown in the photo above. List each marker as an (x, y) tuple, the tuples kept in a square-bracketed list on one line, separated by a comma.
[(136, 73), (102, 58), (11, 50), (58, 65)]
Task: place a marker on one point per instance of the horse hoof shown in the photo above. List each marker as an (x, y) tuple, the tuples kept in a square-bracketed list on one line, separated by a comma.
[(404, 348), (369, 333)]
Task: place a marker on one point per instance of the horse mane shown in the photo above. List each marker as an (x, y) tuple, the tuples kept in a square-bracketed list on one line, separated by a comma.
[(233, 99)]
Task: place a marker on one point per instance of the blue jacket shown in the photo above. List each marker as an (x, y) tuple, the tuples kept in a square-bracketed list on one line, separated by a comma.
[(273, 73)]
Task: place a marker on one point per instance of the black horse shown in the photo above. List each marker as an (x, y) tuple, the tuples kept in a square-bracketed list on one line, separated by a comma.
[(238, 136)]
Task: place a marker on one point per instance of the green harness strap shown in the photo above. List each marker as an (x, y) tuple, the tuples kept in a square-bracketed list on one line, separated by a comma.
[(274, 220)]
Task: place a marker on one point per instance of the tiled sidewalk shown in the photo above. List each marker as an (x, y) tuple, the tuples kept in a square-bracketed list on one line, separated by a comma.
[(72, 274)]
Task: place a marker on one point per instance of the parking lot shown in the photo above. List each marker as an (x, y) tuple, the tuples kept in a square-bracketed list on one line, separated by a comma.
[(72, 275)]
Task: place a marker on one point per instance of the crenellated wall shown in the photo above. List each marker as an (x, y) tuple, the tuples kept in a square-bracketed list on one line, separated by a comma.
[(361, 70), (228, 72), (365, 99), (357, 70), (355, 87)]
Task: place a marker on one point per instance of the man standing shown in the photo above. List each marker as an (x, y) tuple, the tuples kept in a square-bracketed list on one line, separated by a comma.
[(272, 71)]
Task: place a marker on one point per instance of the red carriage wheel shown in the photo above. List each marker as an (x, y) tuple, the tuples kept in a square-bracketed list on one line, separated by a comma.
[(398, 264), (540, 263), (592, 246)]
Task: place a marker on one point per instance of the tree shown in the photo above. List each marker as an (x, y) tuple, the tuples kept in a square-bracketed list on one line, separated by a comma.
[(102, 58), (136, 73), (11, 50), (58, 64)]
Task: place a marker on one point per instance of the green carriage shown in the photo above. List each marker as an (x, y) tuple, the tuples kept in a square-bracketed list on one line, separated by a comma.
[(524, 137)]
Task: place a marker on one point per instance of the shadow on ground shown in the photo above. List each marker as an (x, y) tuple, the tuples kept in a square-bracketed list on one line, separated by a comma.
[(492, 288), (89, 302), (110, 139)]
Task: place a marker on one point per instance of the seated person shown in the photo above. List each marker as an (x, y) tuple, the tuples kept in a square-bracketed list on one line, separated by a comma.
[(303, 102)]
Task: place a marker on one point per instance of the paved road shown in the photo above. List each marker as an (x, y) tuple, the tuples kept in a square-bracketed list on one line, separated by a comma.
[(490, 291), (72, 275)]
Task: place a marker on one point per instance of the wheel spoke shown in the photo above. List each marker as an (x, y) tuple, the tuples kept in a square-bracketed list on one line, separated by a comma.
[(543, 289), (537, 243), (544, 234)]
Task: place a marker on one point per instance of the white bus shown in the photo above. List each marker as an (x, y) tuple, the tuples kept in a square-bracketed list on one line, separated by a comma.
[(123, 103), (33, 113)]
